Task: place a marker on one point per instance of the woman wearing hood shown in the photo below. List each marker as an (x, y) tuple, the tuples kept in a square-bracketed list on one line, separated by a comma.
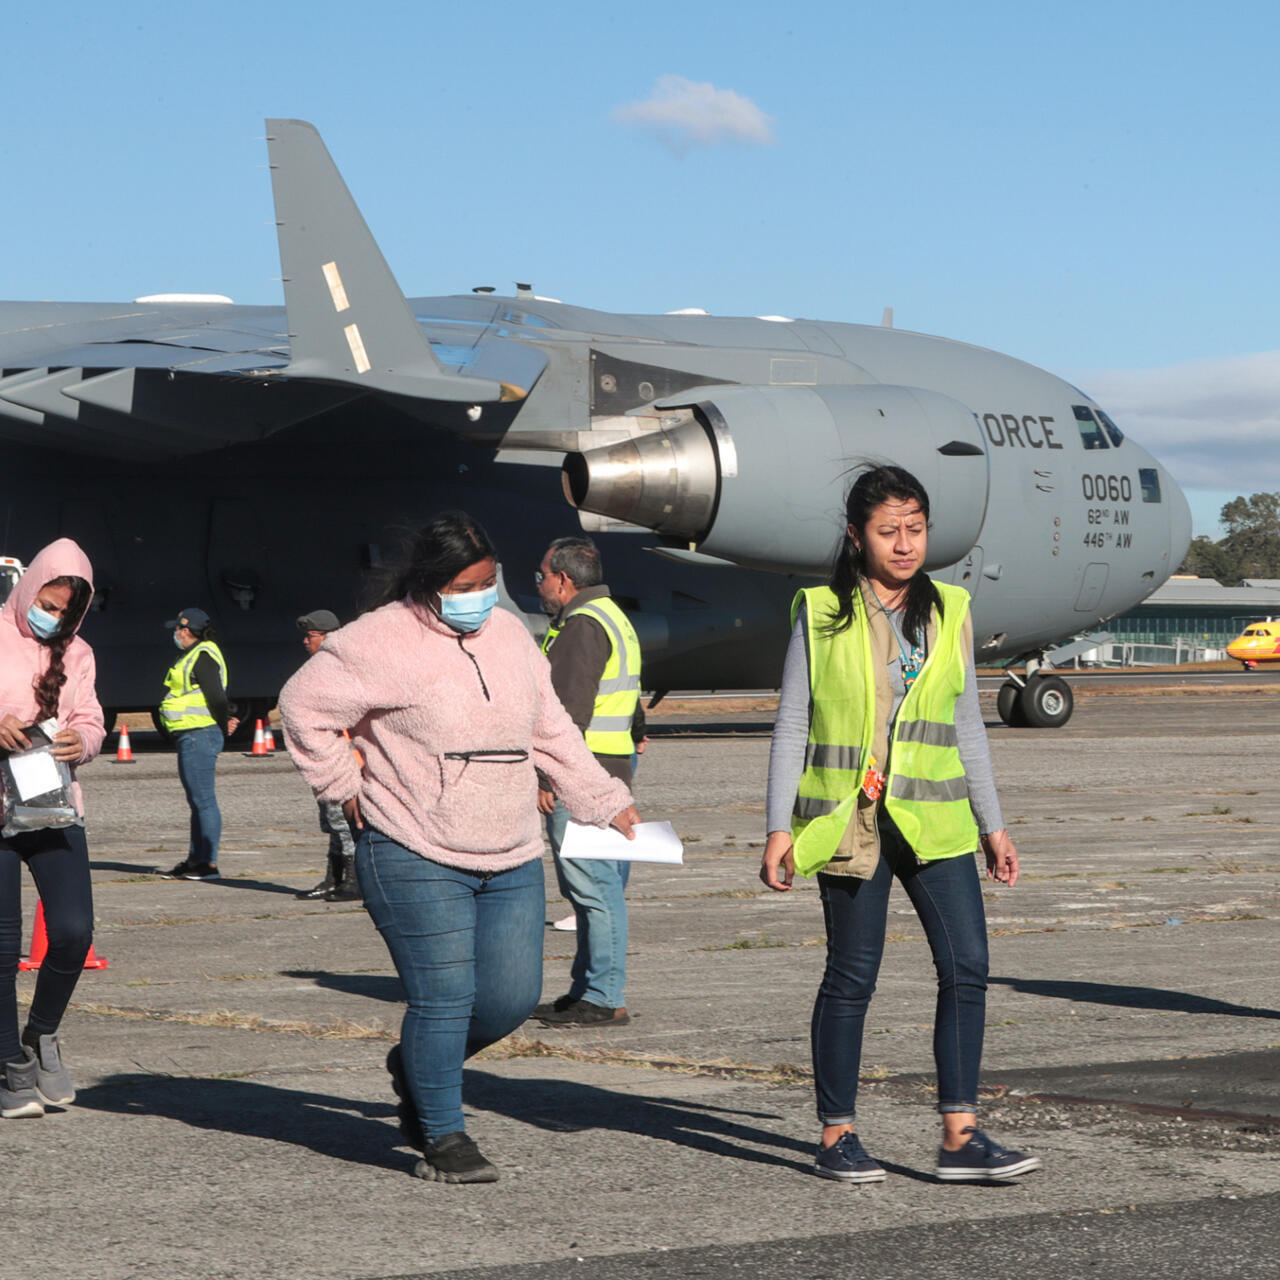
[(46, 671), (452, 709)]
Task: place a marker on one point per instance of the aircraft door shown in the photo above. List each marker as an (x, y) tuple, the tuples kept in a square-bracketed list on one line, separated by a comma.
[(1092, 586)]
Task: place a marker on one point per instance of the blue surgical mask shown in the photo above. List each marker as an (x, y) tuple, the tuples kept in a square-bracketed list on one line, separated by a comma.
[(45, 625), (177, 644), (468, 609)]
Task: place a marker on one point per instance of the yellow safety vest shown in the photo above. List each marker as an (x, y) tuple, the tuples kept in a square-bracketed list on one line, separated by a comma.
[(184, 706), (925, 793), (609, 733)]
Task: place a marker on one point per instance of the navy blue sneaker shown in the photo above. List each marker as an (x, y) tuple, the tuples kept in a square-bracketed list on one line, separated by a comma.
[(981, 1160), (846, 1161)]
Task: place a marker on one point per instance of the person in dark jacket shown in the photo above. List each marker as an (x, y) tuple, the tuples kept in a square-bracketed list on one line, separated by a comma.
[(595, 670), (196, 716)]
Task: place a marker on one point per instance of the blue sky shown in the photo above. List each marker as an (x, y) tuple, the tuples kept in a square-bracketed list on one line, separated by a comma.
[(1089, 186)]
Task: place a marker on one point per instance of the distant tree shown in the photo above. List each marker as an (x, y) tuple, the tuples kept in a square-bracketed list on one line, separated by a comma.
[(1208, 559), (1252, 540)]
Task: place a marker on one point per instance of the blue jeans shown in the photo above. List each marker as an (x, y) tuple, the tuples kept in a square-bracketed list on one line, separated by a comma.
[(197, 759), (58, 860), (595, 890), (468, 948), (947, 896)]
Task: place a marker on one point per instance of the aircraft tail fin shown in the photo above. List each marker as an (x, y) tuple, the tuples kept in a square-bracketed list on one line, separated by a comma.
[(349, 322)]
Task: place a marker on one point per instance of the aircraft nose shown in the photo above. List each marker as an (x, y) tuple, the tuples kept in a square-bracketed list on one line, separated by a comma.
[(1179, 521)]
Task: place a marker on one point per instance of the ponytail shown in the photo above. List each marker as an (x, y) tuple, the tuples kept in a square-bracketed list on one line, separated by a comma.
[(48, 687)]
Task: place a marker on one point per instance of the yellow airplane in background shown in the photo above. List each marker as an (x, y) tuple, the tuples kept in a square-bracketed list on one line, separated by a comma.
[(1258, 646)]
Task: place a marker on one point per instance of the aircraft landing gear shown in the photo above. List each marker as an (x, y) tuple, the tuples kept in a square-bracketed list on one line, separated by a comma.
[(1041, 701)]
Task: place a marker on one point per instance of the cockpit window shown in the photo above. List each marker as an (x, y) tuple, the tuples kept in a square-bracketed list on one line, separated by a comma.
[(1149, 483), (1090, 430), (1114, 433)]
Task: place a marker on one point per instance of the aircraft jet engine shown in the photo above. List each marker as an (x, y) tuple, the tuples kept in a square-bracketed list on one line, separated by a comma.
[(757, 474)]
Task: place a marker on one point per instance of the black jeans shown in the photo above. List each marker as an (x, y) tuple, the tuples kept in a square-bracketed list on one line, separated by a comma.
[(59, 863), (947, 896)]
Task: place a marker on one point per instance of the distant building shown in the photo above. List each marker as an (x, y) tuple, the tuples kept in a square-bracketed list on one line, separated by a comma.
[(1198, 612)]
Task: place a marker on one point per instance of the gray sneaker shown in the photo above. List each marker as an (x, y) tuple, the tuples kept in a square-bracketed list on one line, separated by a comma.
[(18, 1095), (52, 1082)]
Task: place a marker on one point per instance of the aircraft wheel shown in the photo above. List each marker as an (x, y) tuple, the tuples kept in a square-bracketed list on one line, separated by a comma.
[(1046, 702), (1008, 704)]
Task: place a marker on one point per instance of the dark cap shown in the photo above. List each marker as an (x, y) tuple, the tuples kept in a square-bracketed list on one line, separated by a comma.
[(319, 620), (192, 619)]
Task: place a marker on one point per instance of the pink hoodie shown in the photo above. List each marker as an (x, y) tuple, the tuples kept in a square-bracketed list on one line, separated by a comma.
[(416, 695), (23, 659)]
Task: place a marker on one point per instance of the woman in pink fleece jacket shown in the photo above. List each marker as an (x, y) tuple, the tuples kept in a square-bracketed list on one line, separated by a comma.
[(46, 670), (450, 703)]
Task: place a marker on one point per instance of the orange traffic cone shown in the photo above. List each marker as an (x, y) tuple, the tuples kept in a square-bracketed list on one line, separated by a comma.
[(124, 749), (259, 740), (39, 942), (40, 946), (271, 738)]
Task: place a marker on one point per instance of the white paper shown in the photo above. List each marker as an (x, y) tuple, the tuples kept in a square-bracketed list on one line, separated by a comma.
[(34, 774), (654, 842)]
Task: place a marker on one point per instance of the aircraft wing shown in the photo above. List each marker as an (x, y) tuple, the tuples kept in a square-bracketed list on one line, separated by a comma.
[(175, 377)]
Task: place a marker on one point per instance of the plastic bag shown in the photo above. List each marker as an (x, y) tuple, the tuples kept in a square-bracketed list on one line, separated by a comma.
[(35, 789)]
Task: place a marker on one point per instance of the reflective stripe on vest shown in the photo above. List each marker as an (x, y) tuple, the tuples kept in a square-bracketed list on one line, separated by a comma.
[(618, 695), (184, 706), (926, 793)]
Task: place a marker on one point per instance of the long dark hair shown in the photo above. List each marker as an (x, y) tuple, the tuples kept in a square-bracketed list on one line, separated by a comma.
[(431, 555), (871, 487), (48, 686)]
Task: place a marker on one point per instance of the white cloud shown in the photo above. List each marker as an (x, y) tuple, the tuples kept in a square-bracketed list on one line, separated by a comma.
[(685, 113), (1214, 423)]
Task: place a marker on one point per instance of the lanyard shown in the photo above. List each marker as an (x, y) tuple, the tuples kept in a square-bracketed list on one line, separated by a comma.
[(911, 662)]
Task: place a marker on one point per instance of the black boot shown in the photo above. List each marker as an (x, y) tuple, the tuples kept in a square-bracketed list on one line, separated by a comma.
[(348, 887), (332, 876)]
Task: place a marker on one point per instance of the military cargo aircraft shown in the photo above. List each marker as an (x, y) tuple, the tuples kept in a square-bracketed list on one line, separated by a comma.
[(254, 460)]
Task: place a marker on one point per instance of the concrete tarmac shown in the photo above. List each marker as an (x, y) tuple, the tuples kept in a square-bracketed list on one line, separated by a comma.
[(234, 1116)]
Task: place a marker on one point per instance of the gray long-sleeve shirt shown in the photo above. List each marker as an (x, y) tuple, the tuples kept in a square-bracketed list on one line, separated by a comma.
[(791, 734)]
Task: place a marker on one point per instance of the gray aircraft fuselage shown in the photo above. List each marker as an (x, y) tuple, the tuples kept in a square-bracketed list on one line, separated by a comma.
[(255, 461)]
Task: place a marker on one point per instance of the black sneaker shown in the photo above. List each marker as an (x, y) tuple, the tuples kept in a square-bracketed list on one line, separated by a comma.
[(582, 1013), (558, 1005), (199, 871), (406, 1112), (324, 887), (454, 1158), (981, 1160), (344, 892), (177, 873), (845, 1160)]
